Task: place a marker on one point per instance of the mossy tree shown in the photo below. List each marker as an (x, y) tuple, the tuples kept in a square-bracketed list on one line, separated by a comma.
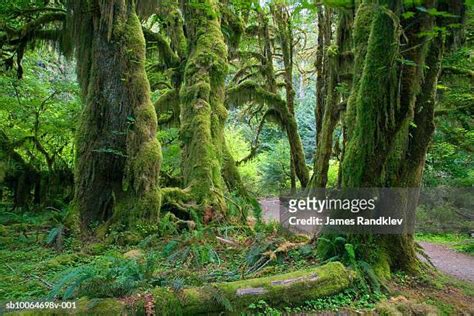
[(185, 51), (333, 64), (391, 102), (118, 155), (283, 23), (202, 106)]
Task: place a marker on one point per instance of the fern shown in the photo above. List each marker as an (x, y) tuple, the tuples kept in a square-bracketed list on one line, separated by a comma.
[(105, 277), (369, 273), (191, 249), (54, 234)]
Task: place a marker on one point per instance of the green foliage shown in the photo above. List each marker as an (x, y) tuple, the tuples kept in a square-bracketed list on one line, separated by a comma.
[(191, 249), (333, 173), (307, 123), (38, 113), (269, 172), (349, 298), (450, 160), (338, 248), (442, 218), (262, 308), (275, 167), (170, 147), (108, 276)]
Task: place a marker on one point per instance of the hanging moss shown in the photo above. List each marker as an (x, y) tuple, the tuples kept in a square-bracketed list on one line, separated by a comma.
[(251, 91), (233, 26), (167, 108), (166, 54)]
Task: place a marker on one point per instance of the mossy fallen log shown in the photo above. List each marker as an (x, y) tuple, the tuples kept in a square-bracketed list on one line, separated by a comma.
[(231, 297)]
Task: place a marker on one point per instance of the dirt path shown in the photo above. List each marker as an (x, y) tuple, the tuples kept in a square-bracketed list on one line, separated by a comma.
[(450, 261), (445, 259)]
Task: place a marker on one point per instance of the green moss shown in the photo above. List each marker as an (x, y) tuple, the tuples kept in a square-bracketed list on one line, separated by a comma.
[(382, 266), (278, 290), (167, 302), (96, 248), (146, 163), (100, 307), (3, 230), (402, 306), (62, 260), (375, 106), (362, 24)]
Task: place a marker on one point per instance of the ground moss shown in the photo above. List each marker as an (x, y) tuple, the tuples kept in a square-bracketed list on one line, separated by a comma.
[(62, 260)]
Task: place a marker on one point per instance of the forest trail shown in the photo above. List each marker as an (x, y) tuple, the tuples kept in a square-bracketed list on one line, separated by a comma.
[(444, 259), (450, 261)]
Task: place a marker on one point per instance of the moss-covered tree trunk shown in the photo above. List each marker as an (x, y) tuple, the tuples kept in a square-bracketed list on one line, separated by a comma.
[(283, 22), (385, 148), (202, 106), (232, 298), (118, 155), (321, 63), (332, 105)]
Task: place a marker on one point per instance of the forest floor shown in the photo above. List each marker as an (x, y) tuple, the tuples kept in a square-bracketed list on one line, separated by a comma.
[(30, 268)]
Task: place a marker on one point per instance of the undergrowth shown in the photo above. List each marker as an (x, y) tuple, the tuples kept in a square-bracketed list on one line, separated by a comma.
[(174, 255)]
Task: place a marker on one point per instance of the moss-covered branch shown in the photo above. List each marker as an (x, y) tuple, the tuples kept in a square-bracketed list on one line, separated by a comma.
[(167, 108), (168, 56), (251, 91)]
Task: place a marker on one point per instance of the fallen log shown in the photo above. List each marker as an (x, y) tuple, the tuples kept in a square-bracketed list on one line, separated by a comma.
[(289, 289)]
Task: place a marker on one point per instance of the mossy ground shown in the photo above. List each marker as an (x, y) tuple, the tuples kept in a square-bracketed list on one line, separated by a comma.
[(28, 267)]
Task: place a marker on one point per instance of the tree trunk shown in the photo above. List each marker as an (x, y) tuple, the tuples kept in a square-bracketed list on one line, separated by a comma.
[(202, 106), (384, 148), (118, 155), (234, 298), (331, 101), (285, 36)]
